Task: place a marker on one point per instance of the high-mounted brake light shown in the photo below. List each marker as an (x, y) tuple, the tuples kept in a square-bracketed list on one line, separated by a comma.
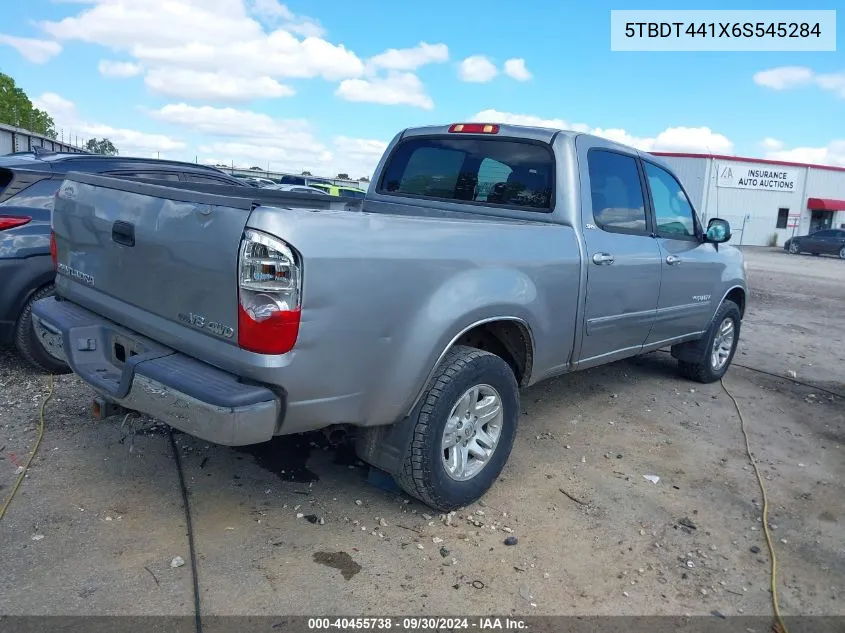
[(474, 128), (269, 292), (12, 221)]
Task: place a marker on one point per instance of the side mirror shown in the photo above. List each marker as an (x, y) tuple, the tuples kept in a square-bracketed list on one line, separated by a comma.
[(718, 231)]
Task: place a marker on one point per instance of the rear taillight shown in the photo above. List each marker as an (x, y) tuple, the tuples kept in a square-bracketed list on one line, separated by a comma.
[(53, 252), (12, 221), (269, 292)]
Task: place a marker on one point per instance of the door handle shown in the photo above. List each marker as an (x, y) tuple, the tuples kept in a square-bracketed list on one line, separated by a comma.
[(123, 233), (673, 259), (602, 258)]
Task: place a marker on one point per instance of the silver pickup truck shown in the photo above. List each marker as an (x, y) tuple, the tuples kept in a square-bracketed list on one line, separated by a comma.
[(484, 259)]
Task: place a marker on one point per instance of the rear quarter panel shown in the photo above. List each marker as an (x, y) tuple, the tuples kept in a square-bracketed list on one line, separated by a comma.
[(384, 295)]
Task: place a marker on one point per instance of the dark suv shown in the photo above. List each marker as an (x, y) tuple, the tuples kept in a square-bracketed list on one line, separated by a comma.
[(28, 183)]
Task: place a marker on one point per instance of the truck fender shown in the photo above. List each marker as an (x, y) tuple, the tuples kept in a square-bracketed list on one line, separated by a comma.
[(464, 301)]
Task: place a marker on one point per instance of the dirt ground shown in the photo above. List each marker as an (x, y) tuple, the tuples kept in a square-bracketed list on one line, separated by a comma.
[(99, 518)]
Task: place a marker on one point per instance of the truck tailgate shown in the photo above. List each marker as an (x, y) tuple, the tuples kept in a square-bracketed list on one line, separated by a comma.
[(167, 251)]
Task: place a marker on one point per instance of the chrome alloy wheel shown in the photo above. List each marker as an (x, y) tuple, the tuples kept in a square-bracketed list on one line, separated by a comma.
[(723, 344), (472, 432)]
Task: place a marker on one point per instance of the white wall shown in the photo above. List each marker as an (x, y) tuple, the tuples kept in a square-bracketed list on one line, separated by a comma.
[(700, 177)]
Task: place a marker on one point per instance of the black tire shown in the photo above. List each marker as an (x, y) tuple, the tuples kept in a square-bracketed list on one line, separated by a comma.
[(423, 474), (702, 369), (794, 248), (28, 344), (842, 253)]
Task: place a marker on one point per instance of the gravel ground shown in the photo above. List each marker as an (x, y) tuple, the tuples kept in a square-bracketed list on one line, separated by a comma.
[(99, 518)]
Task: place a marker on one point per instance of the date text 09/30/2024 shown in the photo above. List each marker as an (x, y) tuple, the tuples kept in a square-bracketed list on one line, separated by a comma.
[(416, 624)]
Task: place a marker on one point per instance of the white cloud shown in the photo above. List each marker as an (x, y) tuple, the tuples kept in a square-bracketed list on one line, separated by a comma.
[(516, 69), (477, 69), (211, 36), (245, 136), (786, 77), (62, 110), (272, 9), (209, 86), (35, 50), (274, 12), (771, 144), (357, 156), (396, 88), (673, 139), (119, 70), (831, 154), (411, 58), (129, 142)]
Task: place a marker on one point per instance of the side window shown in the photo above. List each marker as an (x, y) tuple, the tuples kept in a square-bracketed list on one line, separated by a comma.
[(672, 210), (823, 234), (150, 175), (205, 180), (783, 218), (38, 195), (616, 192)]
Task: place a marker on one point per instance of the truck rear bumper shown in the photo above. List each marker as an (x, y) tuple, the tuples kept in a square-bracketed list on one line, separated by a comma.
[(142, 375)]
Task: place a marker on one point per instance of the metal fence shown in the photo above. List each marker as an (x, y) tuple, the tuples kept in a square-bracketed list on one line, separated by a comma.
[(16, 139)]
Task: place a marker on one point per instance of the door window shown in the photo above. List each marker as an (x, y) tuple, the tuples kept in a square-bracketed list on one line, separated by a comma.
[(616, 192), (673, 212)]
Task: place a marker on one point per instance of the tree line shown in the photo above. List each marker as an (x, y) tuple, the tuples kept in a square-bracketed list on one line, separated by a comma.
[(17, 109)]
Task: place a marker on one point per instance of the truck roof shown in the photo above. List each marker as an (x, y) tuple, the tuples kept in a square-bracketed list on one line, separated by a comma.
[(524, 131), (537, 133)]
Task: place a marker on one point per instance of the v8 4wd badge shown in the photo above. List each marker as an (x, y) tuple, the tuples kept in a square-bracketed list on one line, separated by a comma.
[(200, 322)]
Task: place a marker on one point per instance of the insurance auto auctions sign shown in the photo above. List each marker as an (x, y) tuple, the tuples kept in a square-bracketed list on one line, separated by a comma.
[(750, 176)]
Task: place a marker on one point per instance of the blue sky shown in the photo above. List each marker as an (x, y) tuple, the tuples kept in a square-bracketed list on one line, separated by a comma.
[(308, 85)]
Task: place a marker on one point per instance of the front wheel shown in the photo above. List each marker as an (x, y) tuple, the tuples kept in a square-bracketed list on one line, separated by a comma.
[(464, 432), (718, 346), (842, 253), (793, 248)]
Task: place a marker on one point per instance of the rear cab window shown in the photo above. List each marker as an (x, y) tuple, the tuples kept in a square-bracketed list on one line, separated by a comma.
[(38, 195), (474, 171)]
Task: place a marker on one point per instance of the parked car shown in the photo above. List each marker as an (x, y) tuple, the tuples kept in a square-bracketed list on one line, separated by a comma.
[(484, 259), (28, 184), (306, 181), (298, 189), (339, 191), (824, 242), (247, 180)]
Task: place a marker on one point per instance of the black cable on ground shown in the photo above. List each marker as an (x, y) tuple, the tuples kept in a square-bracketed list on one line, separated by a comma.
[(795, 380), (193, 555), (781, 376)]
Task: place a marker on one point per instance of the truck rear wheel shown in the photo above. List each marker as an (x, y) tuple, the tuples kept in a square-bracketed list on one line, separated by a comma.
[(464, 432)]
